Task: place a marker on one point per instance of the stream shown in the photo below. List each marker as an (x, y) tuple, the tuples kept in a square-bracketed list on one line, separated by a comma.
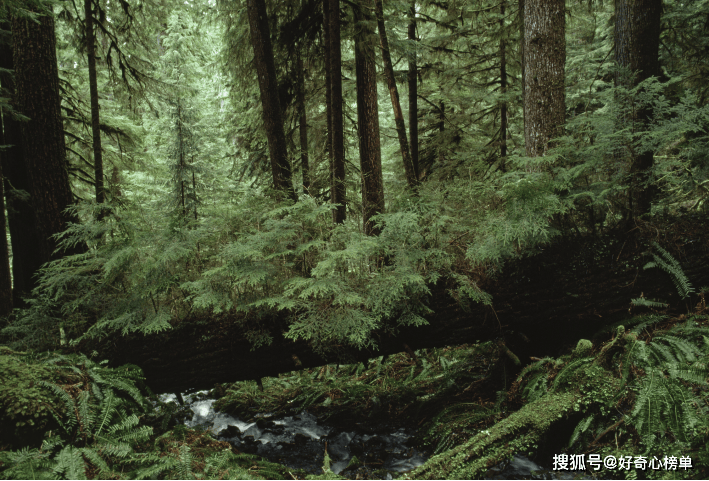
[(299, 441)]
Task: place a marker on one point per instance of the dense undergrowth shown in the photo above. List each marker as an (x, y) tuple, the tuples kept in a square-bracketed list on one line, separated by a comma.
[(639, 389)]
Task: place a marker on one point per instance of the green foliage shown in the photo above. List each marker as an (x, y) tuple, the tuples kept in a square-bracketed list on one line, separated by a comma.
[(669, 264)]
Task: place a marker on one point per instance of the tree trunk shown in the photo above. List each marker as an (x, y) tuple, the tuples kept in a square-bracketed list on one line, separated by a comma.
[(544, 61), (503, 90), (543, 304), (409, 169), (413, 92), (368, 119), (303, 127), (637, 44), (93, 89), (338, 133), (520, 19), (268, 86), (328, 96), (5, 276), (43, 147), (20, 213), (441, 129)]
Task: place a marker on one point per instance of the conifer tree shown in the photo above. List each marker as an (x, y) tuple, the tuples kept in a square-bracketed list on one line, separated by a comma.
[(544, 73), (337, 121), (409, 169), (368, 117), (42, 136), (637, 43), (93, 88), (268, 86)]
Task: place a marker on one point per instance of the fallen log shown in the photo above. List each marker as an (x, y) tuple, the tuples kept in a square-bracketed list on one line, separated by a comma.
[(542, 303)]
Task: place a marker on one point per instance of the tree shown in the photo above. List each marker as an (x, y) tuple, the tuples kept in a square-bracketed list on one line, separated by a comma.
[(413, 91), (637, 44), (338, 141), (5, 275), (268, 86), (42, 136), (303, 127), (503, 89), (21, 216), (409, 169), (93, 88), (368, 118), (544, 62)]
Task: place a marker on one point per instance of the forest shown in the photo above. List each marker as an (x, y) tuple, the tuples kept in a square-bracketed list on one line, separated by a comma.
[(354, 239)]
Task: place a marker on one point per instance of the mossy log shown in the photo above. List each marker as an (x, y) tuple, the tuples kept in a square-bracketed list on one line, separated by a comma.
[(542, 304)]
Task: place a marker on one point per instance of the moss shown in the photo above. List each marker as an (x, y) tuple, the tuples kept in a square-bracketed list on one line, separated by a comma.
[(518, 432), (27, 408), (583, 348)]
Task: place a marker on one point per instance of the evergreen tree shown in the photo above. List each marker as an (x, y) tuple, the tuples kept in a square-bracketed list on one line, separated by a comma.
[(368, 118), (544, 73)]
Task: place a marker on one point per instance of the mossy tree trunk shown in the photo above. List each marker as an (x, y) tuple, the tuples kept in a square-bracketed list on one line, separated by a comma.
[(338, 126)]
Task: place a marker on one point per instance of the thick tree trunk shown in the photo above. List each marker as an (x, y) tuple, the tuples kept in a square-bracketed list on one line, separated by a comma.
[(93, 91), (268, 86), (21, 217), (413, 92), (409, 169), (503, 90), (303, 128), (542, 304), (328, 95), (520, 19), (43, 147), (338, 126), (544, 62), (637, 44), (368, 119)]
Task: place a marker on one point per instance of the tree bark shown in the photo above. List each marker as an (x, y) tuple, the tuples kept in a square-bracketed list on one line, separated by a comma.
[(544, 62), (368, 118), (637, 44), (413, 92), (543, 304), (338, 133), (409, 169), (20, 213), (303, 128), (93, 92), (328, 96), (5, 275), (503, 90), (268, 86), (43, 146)]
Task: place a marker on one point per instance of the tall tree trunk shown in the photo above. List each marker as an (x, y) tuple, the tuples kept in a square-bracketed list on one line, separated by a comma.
[(503, 90), (637, 44), (413, 92), (368, 119), (328, 95), (303, 127), (409, 169), (268, 86), (5, 276), (520, 19), (338, 133), (20, 213), (544, 61), (93, 90), (43, 147)]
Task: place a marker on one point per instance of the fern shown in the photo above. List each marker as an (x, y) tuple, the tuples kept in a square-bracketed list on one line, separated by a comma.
[(669, 264)]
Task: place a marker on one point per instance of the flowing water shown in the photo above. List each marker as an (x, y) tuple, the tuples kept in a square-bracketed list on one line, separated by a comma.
[(299, 441)]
